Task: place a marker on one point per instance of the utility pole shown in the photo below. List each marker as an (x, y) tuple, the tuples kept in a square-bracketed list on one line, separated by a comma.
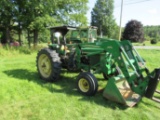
[(120, 28)]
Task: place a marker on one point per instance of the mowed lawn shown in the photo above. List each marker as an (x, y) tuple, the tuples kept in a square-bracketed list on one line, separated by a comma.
[(24, 96)]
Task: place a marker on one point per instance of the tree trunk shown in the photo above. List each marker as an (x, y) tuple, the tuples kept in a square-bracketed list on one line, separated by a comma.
[(6, 38), (19, 34), (29, 40), (35, 32)]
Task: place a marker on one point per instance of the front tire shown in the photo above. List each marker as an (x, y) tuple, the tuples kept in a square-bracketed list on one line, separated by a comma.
[(48, 65), (87, 84)]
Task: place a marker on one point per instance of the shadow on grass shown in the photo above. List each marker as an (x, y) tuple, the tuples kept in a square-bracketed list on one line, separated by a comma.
[(67, 85), (24, 74), (150, 103)]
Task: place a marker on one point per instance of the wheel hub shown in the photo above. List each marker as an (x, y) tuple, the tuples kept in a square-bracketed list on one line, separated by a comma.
[(83, 85), (44, 65)]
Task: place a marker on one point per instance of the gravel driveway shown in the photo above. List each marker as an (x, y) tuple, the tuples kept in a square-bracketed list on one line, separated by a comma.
[(147, 47)]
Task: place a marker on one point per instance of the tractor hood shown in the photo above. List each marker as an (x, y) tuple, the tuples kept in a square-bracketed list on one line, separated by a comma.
[(91, 49)]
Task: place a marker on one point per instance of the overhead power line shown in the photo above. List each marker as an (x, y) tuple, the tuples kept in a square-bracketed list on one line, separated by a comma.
[(135, 2), (130, 2)]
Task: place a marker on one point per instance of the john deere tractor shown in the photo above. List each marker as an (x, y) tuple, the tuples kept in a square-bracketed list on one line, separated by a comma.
[(79, 49)]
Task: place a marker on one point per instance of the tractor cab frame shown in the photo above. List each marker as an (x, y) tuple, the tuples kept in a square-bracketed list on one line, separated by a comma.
[(76, 35)]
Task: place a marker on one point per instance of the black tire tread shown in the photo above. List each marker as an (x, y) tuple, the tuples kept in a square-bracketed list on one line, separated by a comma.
[(92, 81), (55, 62)]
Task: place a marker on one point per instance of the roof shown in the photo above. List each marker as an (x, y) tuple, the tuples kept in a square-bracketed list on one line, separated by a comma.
[(62, 29)]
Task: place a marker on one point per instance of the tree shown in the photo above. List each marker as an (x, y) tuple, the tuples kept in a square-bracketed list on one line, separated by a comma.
[(57, 12), (133, 31), (102, 17), (6, 19), (152, 32), (35, 15)]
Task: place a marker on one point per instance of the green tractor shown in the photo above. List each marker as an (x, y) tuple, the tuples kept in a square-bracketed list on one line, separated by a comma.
[(79, 49)]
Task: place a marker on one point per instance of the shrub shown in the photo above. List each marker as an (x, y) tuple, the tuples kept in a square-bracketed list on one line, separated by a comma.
[(133, 31), (153, 41)]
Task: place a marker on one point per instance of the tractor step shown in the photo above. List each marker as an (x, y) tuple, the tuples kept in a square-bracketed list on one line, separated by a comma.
[(155, 98), (157, 91)]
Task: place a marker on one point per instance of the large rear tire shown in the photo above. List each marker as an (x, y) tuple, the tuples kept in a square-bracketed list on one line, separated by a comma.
[(48, 65), (87, 84)]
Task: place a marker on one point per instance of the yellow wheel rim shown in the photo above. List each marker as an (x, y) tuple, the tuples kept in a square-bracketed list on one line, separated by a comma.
[(44, 65), (83, 85)]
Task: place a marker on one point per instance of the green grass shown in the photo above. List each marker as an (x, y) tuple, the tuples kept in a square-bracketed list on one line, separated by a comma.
[(24, 96), (152, 58), (146, 43)]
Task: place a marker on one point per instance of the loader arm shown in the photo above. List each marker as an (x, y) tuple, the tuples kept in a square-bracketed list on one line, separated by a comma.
[(131, 85)]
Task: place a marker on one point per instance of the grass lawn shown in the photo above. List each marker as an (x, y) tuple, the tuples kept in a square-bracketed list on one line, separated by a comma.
[(24, 96), (147, 43)]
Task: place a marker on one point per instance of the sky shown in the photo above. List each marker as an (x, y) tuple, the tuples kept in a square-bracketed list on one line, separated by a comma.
[(145, 11)]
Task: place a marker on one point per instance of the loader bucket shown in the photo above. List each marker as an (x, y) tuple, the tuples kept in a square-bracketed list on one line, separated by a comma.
[(118, 90)]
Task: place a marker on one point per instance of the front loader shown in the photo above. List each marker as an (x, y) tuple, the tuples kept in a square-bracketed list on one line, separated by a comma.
[(79, 49)]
